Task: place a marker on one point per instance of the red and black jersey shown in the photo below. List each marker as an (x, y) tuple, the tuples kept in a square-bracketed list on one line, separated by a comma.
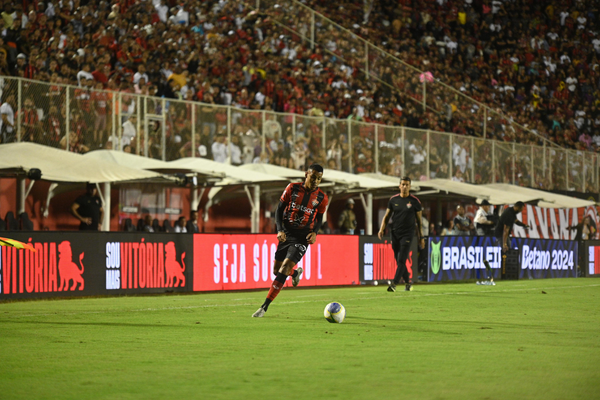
[(302, 207)]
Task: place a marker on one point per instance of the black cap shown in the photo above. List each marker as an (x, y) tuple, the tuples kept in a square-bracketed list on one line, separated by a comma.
[(485, 203)]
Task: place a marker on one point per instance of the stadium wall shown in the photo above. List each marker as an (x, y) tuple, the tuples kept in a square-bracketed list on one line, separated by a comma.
[(71, 264), (455, 258)]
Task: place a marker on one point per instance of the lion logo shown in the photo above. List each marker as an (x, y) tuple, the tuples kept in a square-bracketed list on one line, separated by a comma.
[(172, 267), (67, 269)]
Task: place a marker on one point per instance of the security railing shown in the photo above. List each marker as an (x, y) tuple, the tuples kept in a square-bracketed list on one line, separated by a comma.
[(168, 129)]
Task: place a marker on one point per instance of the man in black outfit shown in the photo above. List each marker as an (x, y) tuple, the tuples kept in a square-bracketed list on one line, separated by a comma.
[(506, 222), (406, 214), (87, 208), (192, 224)]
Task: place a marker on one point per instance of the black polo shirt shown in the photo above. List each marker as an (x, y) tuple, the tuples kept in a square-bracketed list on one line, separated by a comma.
[(508, 218), (404, 214)]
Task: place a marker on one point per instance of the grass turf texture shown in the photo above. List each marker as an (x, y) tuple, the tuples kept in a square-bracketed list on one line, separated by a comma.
[(448, 341)]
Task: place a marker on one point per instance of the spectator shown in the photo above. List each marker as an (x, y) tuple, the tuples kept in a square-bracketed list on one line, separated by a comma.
[(235, 151), (73, 142), (147, 227), (180, 225), (347, 220), (8, 132), (87, 208), (129, 130), (586, 229), (462, 224), (192, 225), (219, 149)]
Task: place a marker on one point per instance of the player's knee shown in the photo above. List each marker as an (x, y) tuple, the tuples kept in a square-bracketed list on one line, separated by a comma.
[(286, 268)]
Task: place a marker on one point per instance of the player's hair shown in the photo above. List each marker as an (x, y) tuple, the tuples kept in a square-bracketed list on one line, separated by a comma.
[(406, 178), (316, 167), (519, 204)]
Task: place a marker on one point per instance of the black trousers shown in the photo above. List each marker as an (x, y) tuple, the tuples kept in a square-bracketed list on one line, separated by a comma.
[(401, 247)]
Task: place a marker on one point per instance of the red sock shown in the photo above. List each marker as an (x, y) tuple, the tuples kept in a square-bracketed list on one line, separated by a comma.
[(274, 290), (276, 286)]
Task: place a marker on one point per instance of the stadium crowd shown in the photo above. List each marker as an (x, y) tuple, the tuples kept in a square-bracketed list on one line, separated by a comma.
[(542, 71), (537, 61)]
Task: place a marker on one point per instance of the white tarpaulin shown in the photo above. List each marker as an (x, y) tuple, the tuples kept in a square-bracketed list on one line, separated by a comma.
[(63, 166), (547, 199)]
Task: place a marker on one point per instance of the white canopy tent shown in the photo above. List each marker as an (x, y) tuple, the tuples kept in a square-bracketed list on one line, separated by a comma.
[(547, 199), (199, 178), (63, 167), (477, 192), (495, 193), (235, 177)]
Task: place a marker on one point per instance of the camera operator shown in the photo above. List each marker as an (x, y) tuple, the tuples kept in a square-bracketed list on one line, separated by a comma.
[(485, 220)]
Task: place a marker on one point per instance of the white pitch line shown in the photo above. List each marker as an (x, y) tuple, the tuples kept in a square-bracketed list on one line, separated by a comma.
[(413, 294)]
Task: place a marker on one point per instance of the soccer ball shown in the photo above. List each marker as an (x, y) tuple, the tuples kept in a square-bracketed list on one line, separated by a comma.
[(335, 312)]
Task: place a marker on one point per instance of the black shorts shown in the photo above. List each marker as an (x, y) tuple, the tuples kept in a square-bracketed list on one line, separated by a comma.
[(293, 248)]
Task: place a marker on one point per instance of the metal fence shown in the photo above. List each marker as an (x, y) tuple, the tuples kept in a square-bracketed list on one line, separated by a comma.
[(169, 129)]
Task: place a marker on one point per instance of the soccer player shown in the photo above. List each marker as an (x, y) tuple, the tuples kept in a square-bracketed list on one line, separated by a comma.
[(299, 217), (406, 214)]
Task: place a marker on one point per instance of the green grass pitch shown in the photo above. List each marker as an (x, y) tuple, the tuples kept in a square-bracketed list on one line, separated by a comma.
[(516, 340)]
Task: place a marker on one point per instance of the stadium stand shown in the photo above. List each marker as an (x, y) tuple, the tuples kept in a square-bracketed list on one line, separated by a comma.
[(537, 61), (540, 72)]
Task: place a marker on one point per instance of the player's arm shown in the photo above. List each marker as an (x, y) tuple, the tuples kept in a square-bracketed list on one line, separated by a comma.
[(384, 222), (519, 223), (74, 208), (420, 239), (312, 237), (279, 221)]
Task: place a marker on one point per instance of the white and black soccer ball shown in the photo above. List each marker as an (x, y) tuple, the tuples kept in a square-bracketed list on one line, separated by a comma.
[(335, 313)]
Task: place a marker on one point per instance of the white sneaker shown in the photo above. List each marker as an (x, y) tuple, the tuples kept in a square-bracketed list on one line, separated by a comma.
[(479, 283), (492, 283), (296, 280), (259, 313)]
